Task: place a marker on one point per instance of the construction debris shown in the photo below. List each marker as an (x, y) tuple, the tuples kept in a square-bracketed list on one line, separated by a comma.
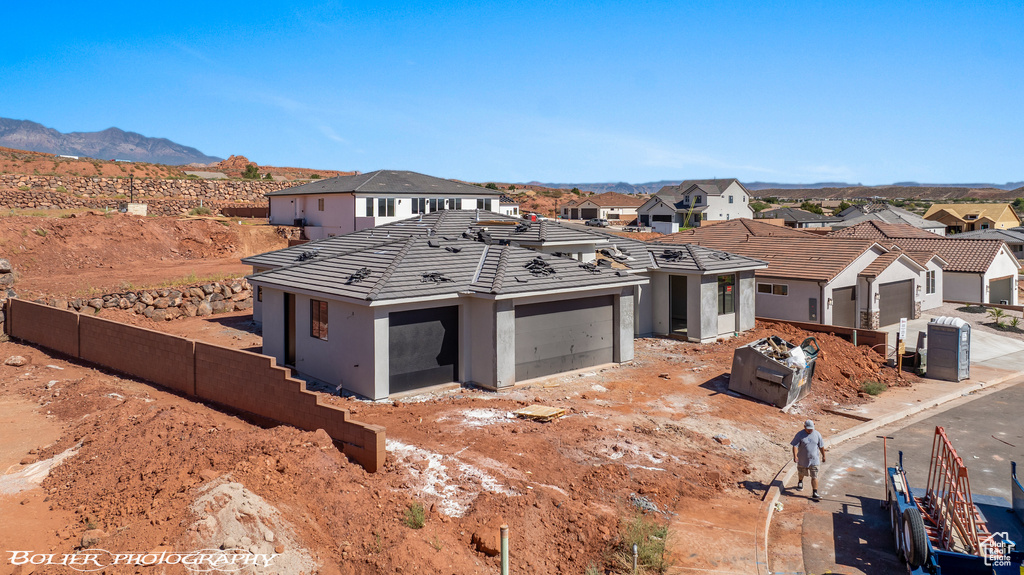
[(541, 413)]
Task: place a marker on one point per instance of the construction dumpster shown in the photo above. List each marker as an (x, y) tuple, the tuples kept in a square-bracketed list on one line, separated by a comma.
[(774, 370)]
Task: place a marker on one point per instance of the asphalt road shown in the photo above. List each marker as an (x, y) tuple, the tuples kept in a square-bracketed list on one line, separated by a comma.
[(848, 532)]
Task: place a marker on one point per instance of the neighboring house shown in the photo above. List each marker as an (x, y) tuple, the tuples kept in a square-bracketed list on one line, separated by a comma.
[(345, 204), (1013, 237), (976, 270), (797, 218), (608, 206), (960, 218), (888, 214), (507, 206), (816, 279), (456, 297), (695, 201)]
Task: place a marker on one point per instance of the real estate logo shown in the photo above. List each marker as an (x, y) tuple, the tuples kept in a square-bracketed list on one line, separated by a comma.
[(996, 549)]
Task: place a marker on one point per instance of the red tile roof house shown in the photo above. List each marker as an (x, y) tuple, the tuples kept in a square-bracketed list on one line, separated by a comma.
[(608, 206), (810, 278), (982, 271)]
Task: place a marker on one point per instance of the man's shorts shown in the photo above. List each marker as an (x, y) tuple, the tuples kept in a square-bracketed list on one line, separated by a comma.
[(805, 471)]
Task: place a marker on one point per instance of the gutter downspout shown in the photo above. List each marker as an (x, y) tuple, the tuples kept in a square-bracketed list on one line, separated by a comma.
[(821, 302)]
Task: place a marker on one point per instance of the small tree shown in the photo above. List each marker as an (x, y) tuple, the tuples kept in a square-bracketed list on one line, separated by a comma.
[(758, 206), (267, 176), (843, 205), (812, 207), (512, 187), (575, 191), (251, 172), (491, 186)]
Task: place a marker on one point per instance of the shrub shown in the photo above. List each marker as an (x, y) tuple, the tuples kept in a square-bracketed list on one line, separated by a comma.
[(315, 177), (200, 211), (251, 172), (267, 176), (759, 206), (62, 189), (24, 188), (491, 186), (812, 207), (872, 387), (649, 537), (415, 516), (40, 232)]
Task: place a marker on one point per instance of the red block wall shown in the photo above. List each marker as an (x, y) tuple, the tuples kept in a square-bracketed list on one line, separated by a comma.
[(163, 359), (44, 325)]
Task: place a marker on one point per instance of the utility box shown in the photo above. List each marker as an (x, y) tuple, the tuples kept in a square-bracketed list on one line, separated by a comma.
[(769, 370), (949, 349)]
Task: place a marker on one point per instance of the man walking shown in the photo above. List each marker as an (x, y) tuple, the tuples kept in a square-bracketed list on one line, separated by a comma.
[(808, 454)]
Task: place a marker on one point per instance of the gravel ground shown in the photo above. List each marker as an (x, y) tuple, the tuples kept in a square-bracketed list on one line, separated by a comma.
[(978, 320)]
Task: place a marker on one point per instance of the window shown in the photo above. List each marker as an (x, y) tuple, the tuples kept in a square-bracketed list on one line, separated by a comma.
[(485, 204), (259, 293), (696, 200), (929, 281), (433, 204), (773, 289), (369, 207), (318, 319), (385, 207), (320, 204), (419, 205), (726, 294), (455, 204), (730, 199)]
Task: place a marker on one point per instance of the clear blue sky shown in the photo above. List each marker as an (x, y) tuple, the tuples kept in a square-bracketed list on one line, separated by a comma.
[(553, 91)]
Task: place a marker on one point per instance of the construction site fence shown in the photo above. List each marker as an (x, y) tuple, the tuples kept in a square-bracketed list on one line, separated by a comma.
[(867, 337), (240, 380)]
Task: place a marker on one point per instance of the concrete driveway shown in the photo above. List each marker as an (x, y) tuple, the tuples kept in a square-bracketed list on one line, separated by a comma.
[(986, 348)]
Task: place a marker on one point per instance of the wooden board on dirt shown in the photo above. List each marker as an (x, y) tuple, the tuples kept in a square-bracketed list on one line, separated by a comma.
[(539, 412)]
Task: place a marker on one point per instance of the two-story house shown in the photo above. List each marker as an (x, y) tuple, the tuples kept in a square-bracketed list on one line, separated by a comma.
[(346, 204), (970, 217), (696, 201), (608, 206)]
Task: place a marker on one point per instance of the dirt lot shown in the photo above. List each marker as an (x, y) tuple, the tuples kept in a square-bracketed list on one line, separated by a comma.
[(93, 254), (153, 470)]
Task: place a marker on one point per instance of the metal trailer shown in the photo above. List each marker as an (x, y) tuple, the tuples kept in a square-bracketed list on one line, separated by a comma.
[(758, 371), (944, 529)]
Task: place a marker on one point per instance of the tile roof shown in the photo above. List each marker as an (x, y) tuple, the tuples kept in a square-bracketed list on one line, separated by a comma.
[(790, 253), (796, 215), (389, 182), (885, 213), (876, 230), (1011, 236), (421, 266), (613, 199), (701, 259), (967, 255), (885, 260), (994, 212)]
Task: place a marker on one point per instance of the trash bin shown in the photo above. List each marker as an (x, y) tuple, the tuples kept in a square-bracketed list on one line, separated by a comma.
[(769, 370), (949, 349)]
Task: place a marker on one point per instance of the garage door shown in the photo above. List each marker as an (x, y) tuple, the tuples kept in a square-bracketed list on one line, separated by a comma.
[(559, 336), (896, 301), (844, 306), (588, 213), (1000, 290), (423, 348)]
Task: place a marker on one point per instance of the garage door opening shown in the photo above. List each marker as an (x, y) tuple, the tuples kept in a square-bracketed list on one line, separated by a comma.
[(1000, 290), (423, 348), (896, 300), (844, 306), (558, 336)]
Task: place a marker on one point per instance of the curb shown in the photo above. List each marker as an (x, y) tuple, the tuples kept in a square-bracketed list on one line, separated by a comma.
[(787, 472)]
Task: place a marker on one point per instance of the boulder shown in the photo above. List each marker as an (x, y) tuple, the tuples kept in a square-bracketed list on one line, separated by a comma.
[(96, 303), (217, 306), (172, 313), (241, 295), (146, 298), (236, 287), (139, 307), (59, 303), (112, 302), (91, 537), (190, 309), (244, 304), (5, 266), (216, 297), (161, 303), (149, 311), (158, 315), (204, 309), (196, 292), (77, 303), (6, 278), (124, 303), (132, 297), (164, 292), (487, 538), (16, 361), (174, 294), (207, 289)]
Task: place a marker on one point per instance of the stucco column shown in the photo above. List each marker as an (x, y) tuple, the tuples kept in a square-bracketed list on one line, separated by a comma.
[(622, 325), (746, 311), (504, 343), (381, 354)]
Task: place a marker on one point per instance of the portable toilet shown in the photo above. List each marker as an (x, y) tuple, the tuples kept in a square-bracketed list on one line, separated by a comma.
[(949, 349)]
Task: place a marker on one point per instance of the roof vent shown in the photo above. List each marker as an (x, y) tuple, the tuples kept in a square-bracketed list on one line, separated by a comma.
[(308, 254), (436, 277), (453, 249), (539, 267), (358, 276), (721, 256), (521, 228), (434, 243)]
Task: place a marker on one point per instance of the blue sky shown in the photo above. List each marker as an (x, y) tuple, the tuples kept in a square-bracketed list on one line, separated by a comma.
[(558, 92)]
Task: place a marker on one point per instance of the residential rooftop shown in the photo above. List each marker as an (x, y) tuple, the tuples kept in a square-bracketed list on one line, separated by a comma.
[(389, 182)]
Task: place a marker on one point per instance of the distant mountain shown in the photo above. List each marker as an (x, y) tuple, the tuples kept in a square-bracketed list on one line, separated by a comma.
[(109, 144), (804, 190), (1006, 186), (775, 186), (621, 187)]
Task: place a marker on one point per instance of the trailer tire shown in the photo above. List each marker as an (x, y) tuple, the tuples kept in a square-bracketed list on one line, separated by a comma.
[(916, 537), (896, 522)]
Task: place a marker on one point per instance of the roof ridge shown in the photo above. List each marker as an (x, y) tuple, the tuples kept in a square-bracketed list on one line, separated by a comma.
[(696, 262), (542, 231), (386, 275), (499, 272)]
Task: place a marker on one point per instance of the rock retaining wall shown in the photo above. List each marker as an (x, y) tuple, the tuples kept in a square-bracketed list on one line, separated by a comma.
[(167, 303), (59, 201), (54, 187)]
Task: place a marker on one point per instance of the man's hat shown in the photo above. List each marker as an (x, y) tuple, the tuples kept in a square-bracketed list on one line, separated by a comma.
[(808, 424)]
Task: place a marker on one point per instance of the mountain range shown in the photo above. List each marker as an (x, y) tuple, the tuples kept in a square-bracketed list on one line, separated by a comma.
[(109, 144)]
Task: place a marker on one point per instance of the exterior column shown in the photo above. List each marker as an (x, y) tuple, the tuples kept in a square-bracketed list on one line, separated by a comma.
[(505, 343)]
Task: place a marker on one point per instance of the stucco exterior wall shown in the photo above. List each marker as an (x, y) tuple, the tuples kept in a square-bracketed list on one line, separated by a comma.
[(959, 286), (932, 300), (1003, 265), (793, 307)]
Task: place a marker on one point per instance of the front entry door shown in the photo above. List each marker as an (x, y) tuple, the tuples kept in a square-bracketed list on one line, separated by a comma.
[(677, 305), (289, 329)]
